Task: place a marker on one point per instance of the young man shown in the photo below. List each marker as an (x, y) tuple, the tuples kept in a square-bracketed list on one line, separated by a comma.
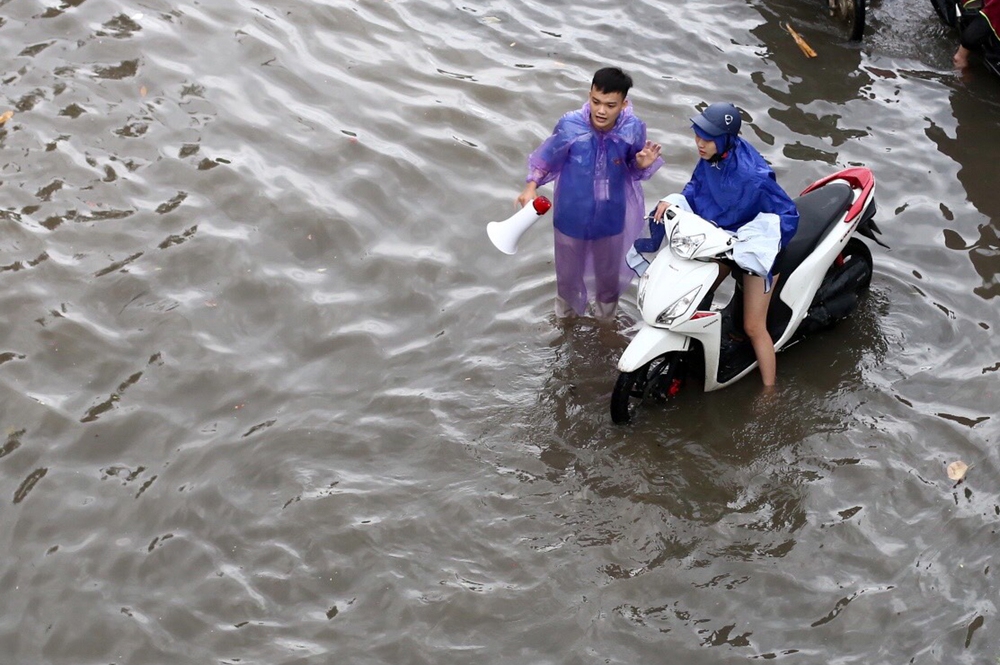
[(597, 155)]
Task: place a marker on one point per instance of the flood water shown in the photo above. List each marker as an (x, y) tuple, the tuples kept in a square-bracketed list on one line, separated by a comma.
[(270, 396)]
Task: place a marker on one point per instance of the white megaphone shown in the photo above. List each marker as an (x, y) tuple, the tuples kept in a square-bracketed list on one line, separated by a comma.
[(504, 235)]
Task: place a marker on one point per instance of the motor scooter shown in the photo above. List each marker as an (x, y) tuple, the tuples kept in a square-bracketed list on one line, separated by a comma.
[(824, 270)]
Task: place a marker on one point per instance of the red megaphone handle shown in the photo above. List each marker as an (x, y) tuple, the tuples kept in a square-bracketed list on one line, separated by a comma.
[(541, 205)]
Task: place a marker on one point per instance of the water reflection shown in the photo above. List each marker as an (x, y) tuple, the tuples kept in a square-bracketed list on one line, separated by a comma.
[(269, 396), (974, 147), (708, 479), (812, 95)]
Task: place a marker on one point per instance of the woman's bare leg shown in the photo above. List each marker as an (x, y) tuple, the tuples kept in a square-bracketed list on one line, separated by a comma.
[(755, 304)]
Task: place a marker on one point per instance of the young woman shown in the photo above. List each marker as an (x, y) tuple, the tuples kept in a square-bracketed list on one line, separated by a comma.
[(733, 187)]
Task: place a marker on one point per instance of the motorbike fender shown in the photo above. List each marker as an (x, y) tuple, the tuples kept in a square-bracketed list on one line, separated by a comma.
[(650, 343)]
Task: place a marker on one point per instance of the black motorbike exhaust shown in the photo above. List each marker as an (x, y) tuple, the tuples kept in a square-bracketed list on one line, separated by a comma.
[(825, 314), (844, 281), (835, 299)]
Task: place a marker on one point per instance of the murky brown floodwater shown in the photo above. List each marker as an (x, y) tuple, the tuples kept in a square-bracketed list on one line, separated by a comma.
[(270, 396)]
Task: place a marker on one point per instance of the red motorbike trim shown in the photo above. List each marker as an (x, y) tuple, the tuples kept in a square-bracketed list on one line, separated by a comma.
[(858, 178)]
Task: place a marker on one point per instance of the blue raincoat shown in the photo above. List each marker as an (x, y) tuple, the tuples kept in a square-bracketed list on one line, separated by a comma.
[(737, 188), (598, 203)]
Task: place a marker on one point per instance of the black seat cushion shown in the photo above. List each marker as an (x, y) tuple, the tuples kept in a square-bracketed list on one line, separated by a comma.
[(817, 211)]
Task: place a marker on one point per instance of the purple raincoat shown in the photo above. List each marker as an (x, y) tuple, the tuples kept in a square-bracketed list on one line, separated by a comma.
[(598, 206)]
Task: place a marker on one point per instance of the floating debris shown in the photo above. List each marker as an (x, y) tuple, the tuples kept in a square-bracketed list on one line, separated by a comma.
[(956, 470), (809, 52)]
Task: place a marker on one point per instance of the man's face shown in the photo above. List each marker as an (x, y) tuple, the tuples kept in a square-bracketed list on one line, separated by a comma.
[(706, 149), (605, 107)]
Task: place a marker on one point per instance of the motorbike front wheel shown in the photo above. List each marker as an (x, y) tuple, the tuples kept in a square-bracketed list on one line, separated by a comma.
[(657, 379)]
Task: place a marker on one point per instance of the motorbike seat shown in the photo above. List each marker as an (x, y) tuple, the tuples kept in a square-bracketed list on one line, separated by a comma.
[(818, 210)]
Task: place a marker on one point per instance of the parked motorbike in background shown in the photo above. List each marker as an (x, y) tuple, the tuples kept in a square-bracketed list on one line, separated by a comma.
[(951, 14), (850, 13), (824, 271), (948, 11)]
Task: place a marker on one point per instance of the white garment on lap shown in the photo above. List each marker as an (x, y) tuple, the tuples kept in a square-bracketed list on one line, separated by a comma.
[(758, 243)]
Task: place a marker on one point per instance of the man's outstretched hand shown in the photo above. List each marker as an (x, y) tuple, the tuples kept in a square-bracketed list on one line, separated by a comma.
[(645, 157)]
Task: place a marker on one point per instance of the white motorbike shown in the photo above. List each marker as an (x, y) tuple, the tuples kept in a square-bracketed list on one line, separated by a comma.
[(824, 270)]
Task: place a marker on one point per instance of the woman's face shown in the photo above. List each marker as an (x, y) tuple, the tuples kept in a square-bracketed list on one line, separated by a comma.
[(706, 149)]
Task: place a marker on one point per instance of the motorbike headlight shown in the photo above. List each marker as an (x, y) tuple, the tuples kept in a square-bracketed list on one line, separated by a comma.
[(685, 246), (643, 283), (678, 308)]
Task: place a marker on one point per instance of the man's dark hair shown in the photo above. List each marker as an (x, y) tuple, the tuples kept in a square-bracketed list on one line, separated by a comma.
[(612, 79)]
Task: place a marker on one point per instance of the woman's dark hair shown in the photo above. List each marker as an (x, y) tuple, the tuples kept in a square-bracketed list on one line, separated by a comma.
[(612, 79)]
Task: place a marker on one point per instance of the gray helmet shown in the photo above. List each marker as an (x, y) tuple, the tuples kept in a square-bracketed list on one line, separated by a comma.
[(718, 119)]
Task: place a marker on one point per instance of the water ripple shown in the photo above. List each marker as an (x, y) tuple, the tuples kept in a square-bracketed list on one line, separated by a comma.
[(271, 396)]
